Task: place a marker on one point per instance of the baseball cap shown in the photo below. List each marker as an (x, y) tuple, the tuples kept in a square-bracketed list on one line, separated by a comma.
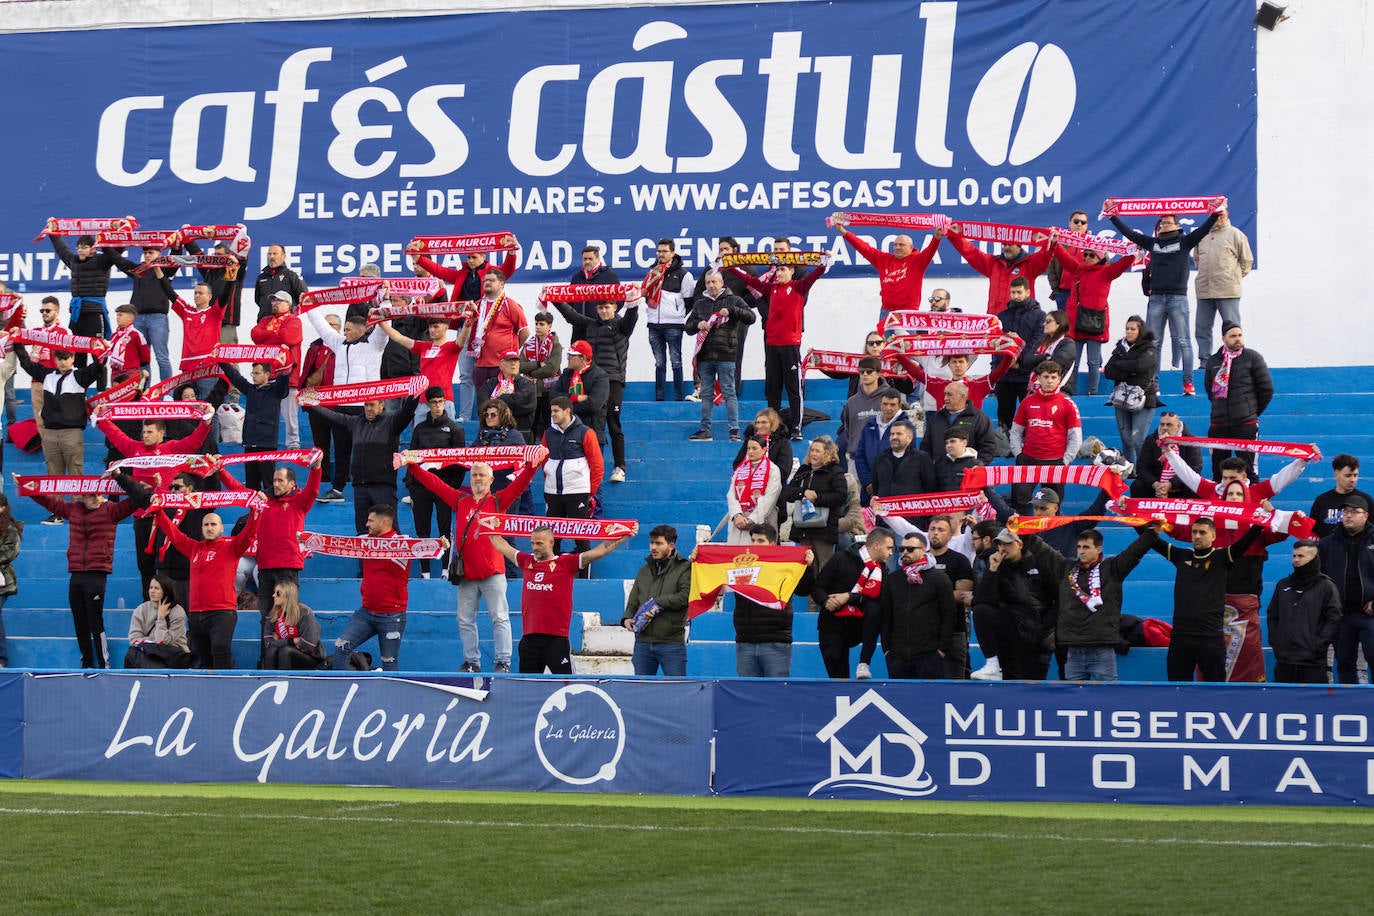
[(1045, 497), (283, 295), (1355, 501), (1007, 536), (511, 354), (581, 348)]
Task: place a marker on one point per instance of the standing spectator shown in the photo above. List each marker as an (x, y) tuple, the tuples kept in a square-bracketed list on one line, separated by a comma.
[(90, 558), (11, 533), (1347, 555), (438, 356), (157, 630), (847, 590), (1168, 249), (546, 611), (609, 337), (475, 566), (200, 324), (753, 493), (436, 430), (656, 608), (152, 295), (291, 637), (318, 369), (357, 351), (90, 284), (763, 635), (1012, 264), (1223, 258), (901, 273), (154, 441), (1234, 469), (873, 438), (1088, 307), (276, 277), (1304, 616), (864, 404), (63, 414), (1046, 431), (43, 356), (401, 361), (167, 560), (1061, 275), (903, 469), (262, 402), (734, 284), (668, 289), (594, 272), (226, 283), (959, 569), (574, 468), (375, 435), (541, 359), (1154, 478), (213, 610), (917, 615), (958, 413), (715, 317), (1023, 319), (819, 481), (128, 356), (1135, 361), (1013, 613), (1058, 346), (385, 593), (782, 335), (497, 325), (587, 386), (1326, 508), (283, 329), (518, 392), (1240, 388), (1197, 642)]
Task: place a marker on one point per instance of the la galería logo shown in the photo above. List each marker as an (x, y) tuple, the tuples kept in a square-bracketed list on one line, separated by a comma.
[(880, 752), (579, 735)]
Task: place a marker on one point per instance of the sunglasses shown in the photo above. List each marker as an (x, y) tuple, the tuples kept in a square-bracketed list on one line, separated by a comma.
[(1078, 222), (873, 343), (936, 299), (491, 413), (177, 487), (47, 311), (868, 371), (910, 549)]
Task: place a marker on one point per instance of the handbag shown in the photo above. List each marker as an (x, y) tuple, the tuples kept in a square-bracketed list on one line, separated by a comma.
[(455, 559), (1130, 398), (819, 520), (1090, 322)]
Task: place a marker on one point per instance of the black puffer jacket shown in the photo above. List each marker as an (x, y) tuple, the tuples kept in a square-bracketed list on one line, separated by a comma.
[(832, 492), (610, 340), (90, 277), (1137, 364), (1024, 589), (917, 619), (722, 342), (1027, 320), (1304, 615), (1250, 390)]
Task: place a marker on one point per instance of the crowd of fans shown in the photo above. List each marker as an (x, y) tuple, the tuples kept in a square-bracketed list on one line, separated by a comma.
[(921, 583)]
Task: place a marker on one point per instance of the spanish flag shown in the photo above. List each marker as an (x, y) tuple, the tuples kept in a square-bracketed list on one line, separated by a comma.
[(766, 575)]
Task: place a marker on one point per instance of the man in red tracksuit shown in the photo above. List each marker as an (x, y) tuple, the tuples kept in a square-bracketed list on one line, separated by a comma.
[(214, 602), (1012, 262), (782, 335), (385, 595), (901, 273), (1047, 430)]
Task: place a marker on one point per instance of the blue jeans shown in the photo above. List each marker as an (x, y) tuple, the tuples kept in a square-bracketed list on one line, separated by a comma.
[(361, 627), (1094, 351), (1133, 427), (1174, 310), (665, 342), (1207, 311), (650, 656), (467, 390), (1090, 663), (154, 328), (711, 372), (763, 659)]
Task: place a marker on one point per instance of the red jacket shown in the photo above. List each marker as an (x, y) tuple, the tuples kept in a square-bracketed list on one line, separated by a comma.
[(480, 559), (90, 540), (386, 583), (899, 279), (282, 330), (199, 332), (786, 305), (213, 564), (134, 448), (1000, 271), (459, 276), (318, 357), (281, 522), (1091, 285)]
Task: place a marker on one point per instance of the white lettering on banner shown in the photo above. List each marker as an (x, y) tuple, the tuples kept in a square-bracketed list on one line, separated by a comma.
[(608, 739), (162, 747), (1001, 129), (847, 766)]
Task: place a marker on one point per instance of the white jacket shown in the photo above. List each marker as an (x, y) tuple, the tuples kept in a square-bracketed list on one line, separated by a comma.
[(360, 361)]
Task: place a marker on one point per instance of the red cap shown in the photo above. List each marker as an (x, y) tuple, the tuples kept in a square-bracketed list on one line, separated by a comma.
[(510, 354), (581, 348)]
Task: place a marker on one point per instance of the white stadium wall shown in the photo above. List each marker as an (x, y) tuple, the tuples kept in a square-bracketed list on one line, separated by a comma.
[(1303, 305)]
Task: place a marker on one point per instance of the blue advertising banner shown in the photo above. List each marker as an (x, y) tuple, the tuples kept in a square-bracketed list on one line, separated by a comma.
[(11, 725), (343, 139), (526, 734), (1190, 745)]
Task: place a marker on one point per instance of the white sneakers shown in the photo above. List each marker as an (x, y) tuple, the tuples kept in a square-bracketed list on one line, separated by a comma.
[(618, 475), (991, 671), (862, 673)]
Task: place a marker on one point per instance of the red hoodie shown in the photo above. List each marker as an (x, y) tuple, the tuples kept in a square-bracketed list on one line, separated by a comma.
[(480, 559), (213, 564)]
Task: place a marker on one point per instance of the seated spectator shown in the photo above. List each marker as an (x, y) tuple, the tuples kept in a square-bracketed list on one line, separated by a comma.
[(1154, 478), (519, 392), (292, 641), (959, 411), (769, 425), (157, 630)]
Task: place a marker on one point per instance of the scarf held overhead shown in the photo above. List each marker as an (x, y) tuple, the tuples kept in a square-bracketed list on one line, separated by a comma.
[(1086, 475), (1158, 206), (926, 504), (85, 225), (846, 363), (907, 321), (475, 243), (582, 529), (1262, 447), (950, 344), (32, 484), (400, 549), (495, 456), (353, 294), (590, 292), (362, 392), (918, 221)]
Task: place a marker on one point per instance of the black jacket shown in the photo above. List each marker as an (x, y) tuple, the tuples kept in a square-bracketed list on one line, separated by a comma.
[(152, 294), (1250, 390), (912, 473), (1149, 465), (591, 410), (917, 618), (1026, 591), (444, 432), (722, 343), (64, 396), (1026, 319), (521, 401), (261, 407), (1304, 615), (91, 277), (610, 340), (1077, 625), (838, 576), (1169, 267), (273, 279), (949, 472), (1200, 582), (1335, 550), (980, 435), (1137, 364), (603, 275), (832, 492), (375, 441), (399, 362)]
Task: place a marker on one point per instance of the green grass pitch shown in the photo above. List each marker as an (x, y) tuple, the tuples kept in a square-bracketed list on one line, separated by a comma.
[(118, 847)]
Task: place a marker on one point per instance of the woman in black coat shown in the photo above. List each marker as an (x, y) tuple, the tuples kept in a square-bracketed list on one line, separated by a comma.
[(820, 478), (1133, 361)]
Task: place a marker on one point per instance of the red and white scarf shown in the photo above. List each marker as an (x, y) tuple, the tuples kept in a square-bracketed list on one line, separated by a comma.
[(486, 312), (1035, 524), (167, 386), (362, 392), (1087, 475), (538, 349), (207, 499), (138, 238), (353, 294), (71, 342), (85, 225), (207, 464), (1158, 206), (1167, 474), (507, 385), (1005, 233), (495, 456), (151, 410), (949, 344), (1087, 242), (215, 232), (590, 292), (409, 287), (124, 391), (1184, 512), (917, 221), (869, 584), (1259, 446), (715, 321), (248, 353), (926, 504), (908, 321), (400, 549), (33, 484), (750, 480), (581, 529), (474, 243), (1092, 595), (285, 630), (452, 312), (225, 262), (846, 363), (117, 354), (1221, 382)]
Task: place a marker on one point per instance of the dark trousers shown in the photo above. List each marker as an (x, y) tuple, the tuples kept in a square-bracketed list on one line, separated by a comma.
[(1009, 395), (367, 495), (1021, 493), (541, 419), (1300, 674), (211, 636), (289, 658), (267, 583), (1244, 431), (570, 505), (92, 322), (741, 335), (997, 635), (323, 435), (927, 667), (257, 475), (483, 374), (840, 634), (156, 656), (782, 370), (146, 558), (540, 650), (426, 506), (86, 595), (1355, 630), (613, 427), (181, 588), (1205, 654)]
